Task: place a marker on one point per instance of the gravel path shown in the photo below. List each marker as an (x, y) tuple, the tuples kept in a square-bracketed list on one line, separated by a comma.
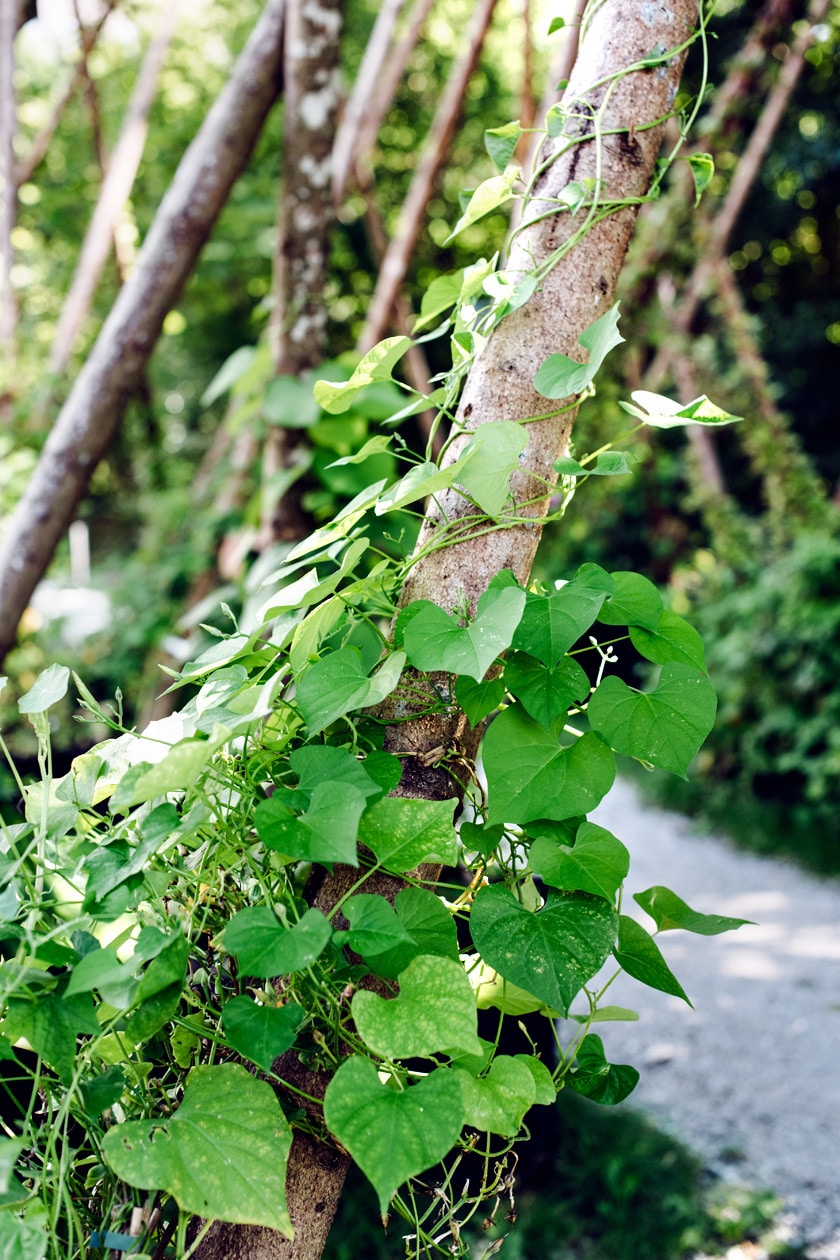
[(750, 1079)]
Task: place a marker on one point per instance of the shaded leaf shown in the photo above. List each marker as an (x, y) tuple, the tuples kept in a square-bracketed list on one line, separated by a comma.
[(393, 1134), (338, 684), (500, 143), (552, 953), (497, 1102), (595, 1078), (560, 377), (669, 912), (545, 693), (221, 1155), (635, 601), (263, 947), (433, 639), (261, 1033), (674, 639), (640, 956)]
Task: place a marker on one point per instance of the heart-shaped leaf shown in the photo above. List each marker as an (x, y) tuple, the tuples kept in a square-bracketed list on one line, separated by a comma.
[(635, 602), (500, 143), (434, 1011), (49, 687), (488, 460), (430, 929), (551, 624), (51, 1024), (497, 1102), (374, 926), (640, 956), (338, 684), (477, 699), (595, 1078), (664, 727), (674, 639), (546, 693), (551, 953), (489, 195), (433, 640), (560, 377), (263, 947), (607, 464), (670, 912), (376, 365), (403, 833), (663, 413), (325, 832), (261, 1033), (545, 1091), (393, 1134), (597, 864), (531, 776), (221, 1155)]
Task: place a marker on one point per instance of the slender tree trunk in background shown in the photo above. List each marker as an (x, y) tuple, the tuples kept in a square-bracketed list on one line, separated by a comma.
[(93, 411), (298, 328), (116, 188), (397, 257), (10, 13), (41, 142), (373, 65), (500, 386)]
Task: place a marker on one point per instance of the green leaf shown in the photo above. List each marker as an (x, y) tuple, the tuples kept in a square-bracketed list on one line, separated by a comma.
[(154, 831), (493, 990), (263, 947), (532, 776), (222, 1154), (556, 24), (338, 684), (702, 169), (443, 292), (545, 693), (635, 601), (434, 1011), (375, 926), (102, 970), (551, 953), (234, 367), (376, 365), (402, 833), (674, 639), (101, 1092), (607, 1014), (167, 968), (177, 770), (560, 377), (551, 624), (51, 1024), (595, 1078), (433, 640), (640, 956), (497, 1102), (22, 1239), (607, 464), (664, 727), (393, 1134), (373, 446), (10, 1151), (598, 863), (663, 413), (545, 1091), (669, 913), (489, 196), (49, 687), (477, 699), (325, 832), (500, 143), (488, 460), (315, 764), (418, 483), (261, 1033), (288, 402)]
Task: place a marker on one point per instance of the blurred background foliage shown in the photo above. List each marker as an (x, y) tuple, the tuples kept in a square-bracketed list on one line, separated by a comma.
[(752, 559)]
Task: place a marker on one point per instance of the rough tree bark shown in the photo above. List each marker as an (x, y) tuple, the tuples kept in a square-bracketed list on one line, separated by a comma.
[(499, 387), (102, 390), (298, 328)]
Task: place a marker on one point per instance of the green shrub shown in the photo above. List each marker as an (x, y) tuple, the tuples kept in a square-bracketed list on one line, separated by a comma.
[(770, 770)]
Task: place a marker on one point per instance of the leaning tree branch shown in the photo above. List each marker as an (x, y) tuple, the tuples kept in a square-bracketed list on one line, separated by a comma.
[(116, 186), (9, 21), (93, 411), (397, 257)]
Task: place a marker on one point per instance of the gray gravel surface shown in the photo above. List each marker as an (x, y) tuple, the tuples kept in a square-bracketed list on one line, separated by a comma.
[(750, 1078)]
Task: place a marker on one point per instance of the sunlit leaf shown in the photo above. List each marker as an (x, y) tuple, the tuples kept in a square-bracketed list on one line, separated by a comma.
[(670, 913)]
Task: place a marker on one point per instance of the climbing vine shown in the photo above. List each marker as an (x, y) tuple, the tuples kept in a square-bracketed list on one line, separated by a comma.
[(170, 985)]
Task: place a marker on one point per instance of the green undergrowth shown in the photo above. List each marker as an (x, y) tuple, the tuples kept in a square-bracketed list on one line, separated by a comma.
[(594, 1185)]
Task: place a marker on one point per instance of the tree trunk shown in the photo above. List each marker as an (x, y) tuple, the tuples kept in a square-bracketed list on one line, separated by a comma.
[(116, 364), (9, 22), (298, 328), (499, 387)]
